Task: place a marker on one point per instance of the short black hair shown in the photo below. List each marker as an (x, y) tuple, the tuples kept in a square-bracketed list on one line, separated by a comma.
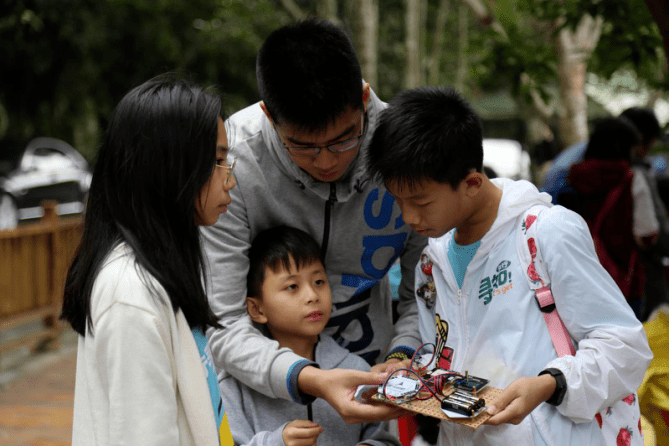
[(309, 74), (645, 121), (612, 139), (427, 133), (273, 248)]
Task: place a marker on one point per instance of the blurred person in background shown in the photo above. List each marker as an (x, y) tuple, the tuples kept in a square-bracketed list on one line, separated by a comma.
[(656, 287), (616, 204)]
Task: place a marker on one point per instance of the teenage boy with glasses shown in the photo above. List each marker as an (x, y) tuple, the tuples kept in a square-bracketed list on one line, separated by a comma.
[(301, 163)]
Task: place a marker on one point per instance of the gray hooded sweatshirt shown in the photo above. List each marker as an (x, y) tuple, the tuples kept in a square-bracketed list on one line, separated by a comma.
[(257, 420), (355, 219)]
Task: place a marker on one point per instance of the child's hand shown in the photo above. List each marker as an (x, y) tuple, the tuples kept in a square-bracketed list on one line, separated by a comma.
[(338, 386), (301, 433), (391, 365), (520, 398)]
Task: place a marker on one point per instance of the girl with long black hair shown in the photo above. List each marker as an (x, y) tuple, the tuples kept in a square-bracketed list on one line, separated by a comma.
[(135, 290)]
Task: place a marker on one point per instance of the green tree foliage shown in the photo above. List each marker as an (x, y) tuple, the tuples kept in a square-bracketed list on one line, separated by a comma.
[(629, 40), (66, 63), (392, 50)]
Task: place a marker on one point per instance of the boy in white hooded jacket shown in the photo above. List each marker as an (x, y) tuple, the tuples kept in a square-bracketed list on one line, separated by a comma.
[(481, 313)]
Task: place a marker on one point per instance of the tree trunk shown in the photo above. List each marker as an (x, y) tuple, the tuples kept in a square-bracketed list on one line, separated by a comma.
[(482, 14), (328, 9), (434, 69), (413, 22), (574, 49), (463, 47), (293, 9), (368, 32), (4, 121)]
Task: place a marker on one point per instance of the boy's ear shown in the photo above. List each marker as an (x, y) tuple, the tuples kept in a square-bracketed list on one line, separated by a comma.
[(254, 308), (264, 109), (365, 96), (473, 182)]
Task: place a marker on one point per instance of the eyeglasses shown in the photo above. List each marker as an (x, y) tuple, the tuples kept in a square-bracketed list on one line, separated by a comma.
[(338, 147), (228, 168)]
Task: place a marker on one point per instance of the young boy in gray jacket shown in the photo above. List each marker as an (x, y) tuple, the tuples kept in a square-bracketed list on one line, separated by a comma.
[(290, 300)]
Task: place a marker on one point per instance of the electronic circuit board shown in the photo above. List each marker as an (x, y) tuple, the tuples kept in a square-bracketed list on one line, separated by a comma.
[(432, 407), (443, 394)]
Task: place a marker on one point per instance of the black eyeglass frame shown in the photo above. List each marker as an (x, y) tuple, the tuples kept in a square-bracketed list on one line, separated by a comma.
[(315, 150)]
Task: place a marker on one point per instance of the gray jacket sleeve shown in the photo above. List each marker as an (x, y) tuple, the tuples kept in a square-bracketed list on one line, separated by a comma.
[(406, 327), (239, 348), (377, 434), (240, 426)]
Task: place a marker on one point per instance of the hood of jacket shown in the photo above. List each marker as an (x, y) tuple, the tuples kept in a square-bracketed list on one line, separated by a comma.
[(356, 174), (517, 197)]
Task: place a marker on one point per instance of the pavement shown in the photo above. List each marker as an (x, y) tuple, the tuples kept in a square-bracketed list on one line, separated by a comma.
[(37, 394)]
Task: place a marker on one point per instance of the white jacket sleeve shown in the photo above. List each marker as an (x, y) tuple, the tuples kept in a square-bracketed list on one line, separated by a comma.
[(239, 348), (612, 349), (134, 358)]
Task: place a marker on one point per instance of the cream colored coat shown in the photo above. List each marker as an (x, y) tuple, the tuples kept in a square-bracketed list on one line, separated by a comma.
[(139, 380)]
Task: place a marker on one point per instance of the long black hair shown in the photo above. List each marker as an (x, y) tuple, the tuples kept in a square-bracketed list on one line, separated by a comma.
[(158, 152)]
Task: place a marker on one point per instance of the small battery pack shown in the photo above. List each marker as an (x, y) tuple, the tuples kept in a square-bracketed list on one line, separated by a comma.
[(458, 407), (463, 404)]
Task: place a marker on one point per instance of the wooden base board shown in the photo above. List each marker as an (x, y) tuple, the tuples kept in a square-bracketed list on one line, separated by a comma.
[(432, 407)]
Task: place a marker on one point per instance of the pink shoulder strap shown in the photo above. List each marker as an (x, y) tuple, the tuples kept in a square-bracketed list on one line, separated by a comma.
[(556, 328), (537, 276)]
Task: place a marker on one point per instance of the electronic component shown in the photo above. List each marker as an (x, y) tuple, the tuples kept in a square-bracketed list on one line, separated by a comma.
[(400, 387), (469, 383), (460, 403), (466, 397), (427, 384), (422, 361)]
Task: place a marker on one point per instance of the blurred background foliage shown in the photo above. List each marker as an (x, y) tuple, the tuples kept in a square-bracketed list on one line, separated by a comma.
[(65, 63)]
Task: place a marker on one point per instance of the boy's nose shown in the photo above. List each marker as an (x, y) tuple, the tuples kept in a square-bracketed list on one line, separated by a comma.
[(311, 294), (409, 216), (325, 159)]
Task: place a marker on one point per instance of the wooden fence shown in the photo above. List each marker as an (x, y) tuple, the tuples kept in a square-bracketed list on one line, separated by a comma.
[(33, 263)]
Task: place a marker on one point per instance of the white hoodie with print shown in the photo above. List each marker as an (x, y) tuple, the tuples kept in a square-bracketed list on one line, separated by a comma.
[(492, 326)]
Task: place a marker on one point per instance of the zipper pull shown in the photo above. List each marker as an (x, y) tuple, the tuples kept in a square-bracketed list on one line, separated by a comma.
[(333, 193)]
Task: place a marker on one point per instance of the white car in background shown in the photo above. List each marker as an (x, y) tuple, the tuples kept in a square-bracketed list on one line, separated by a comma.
[(49, 169), (507, 158)]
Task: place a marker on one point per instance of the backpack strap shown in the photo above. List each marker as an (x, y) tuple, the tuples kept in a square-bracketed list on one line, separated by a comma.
[(533, 264)]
